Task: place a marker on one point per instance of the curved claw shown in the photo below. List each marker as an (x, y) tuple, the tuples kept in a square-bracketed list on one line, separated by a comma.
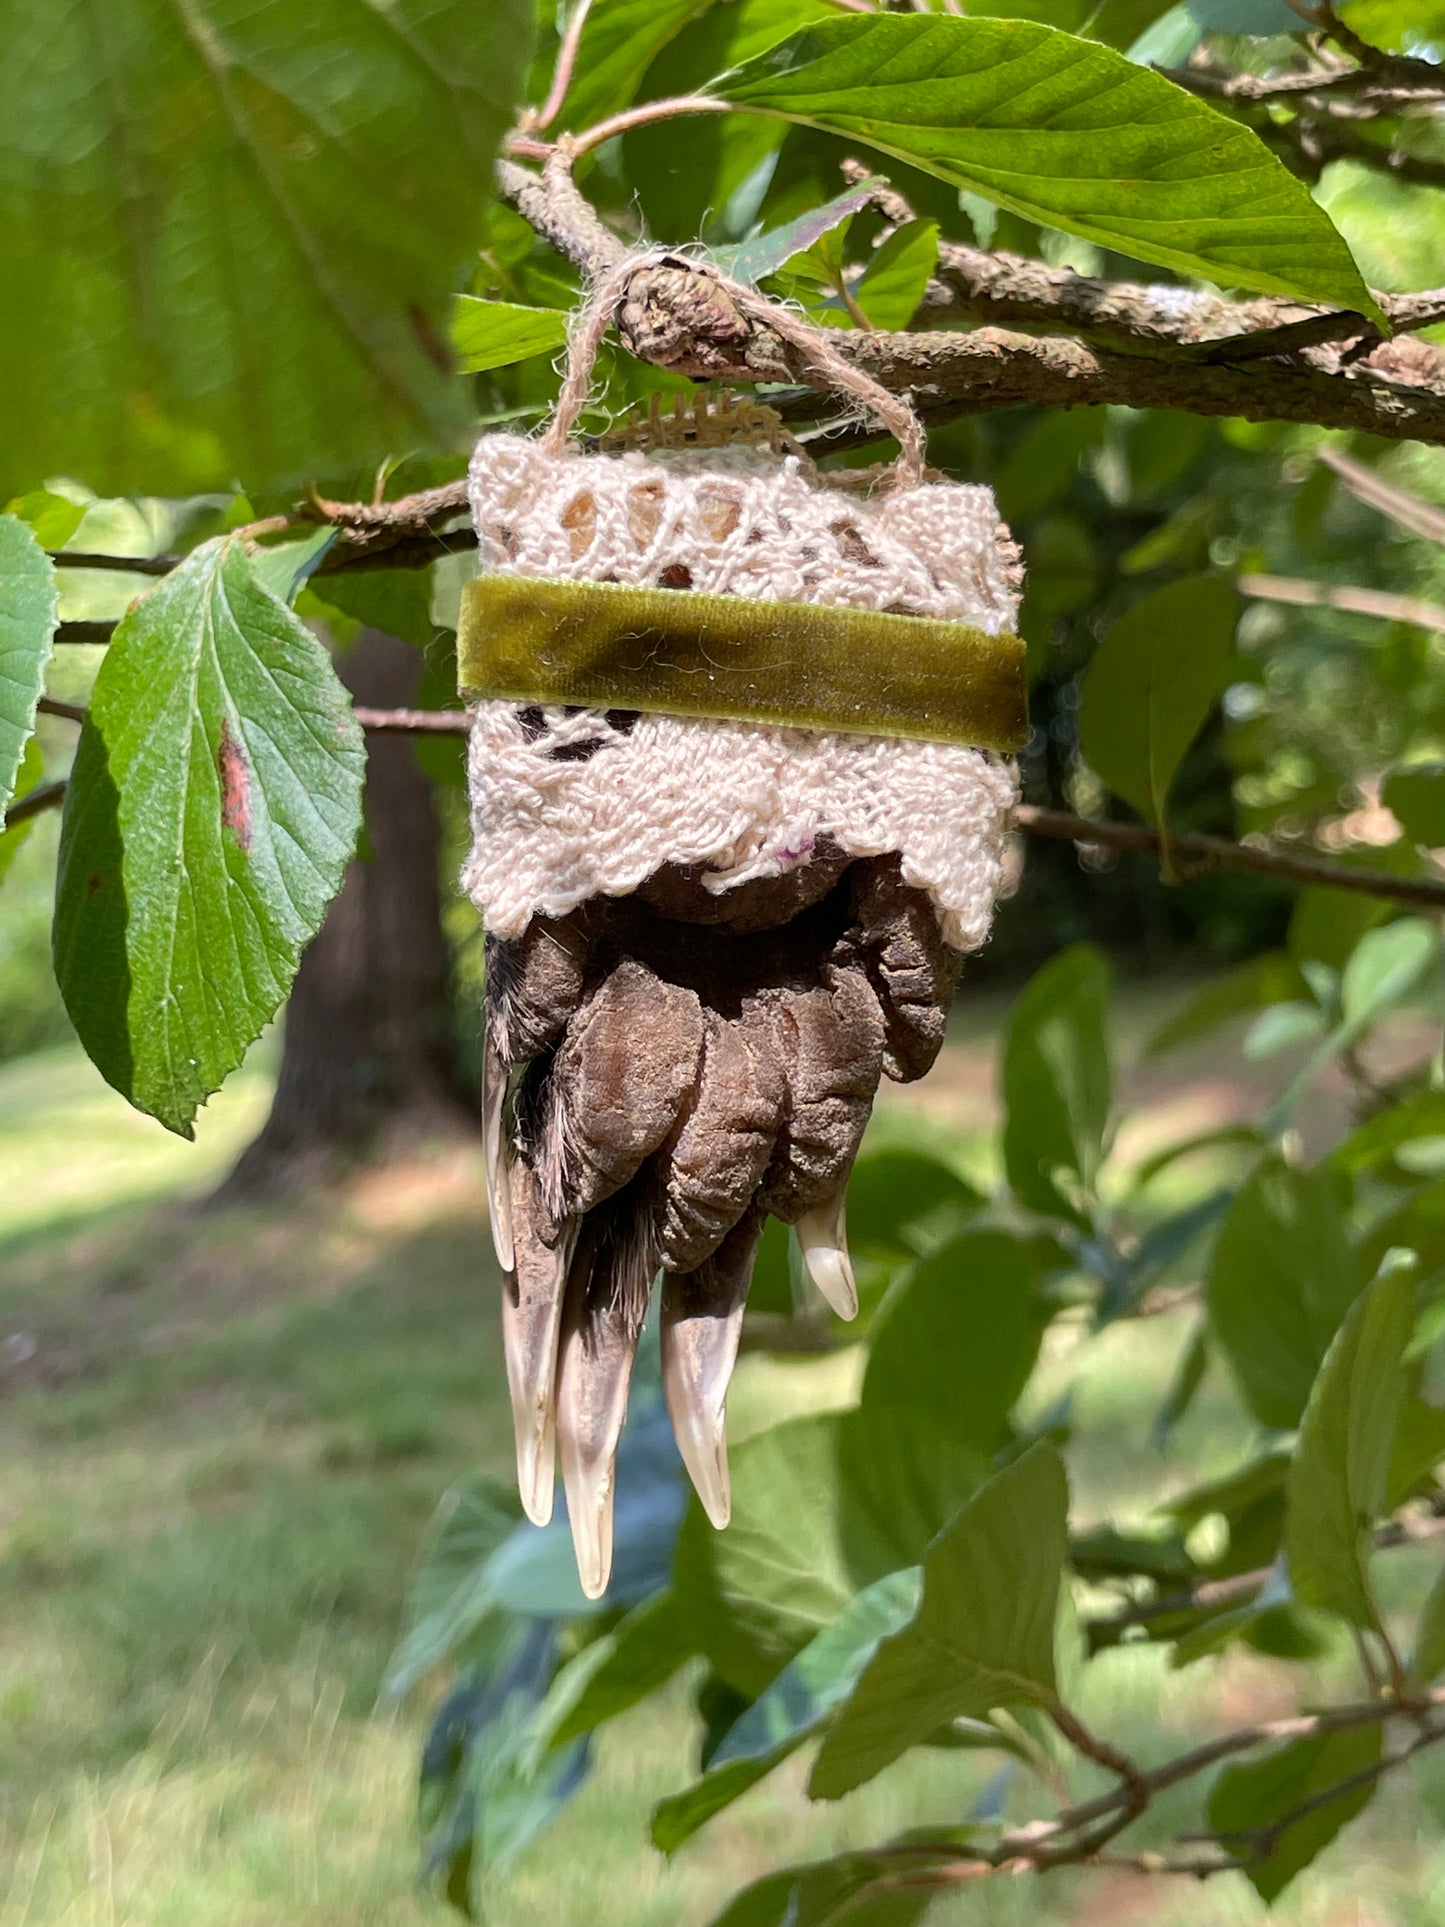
[(600, 1326), (532, 1301), (823, 1241), (702, 1316), (494, 1147)]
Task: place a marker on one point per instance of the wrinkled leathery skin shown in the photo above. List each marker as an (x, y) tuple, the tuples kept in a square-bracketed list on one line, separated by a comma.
[(670, 1069)]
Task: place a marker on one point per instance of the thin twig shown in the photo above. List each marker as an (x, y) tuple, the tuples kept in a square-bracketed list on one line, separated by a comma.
[(412, 722), (124, 564), (1394, 389), (68, 712), (1237, 1588), (45, 796), (1410, 511), (84, 631), (673, 108), (1078, 1835), (1338, 595), (562, 72), (1195, 855)]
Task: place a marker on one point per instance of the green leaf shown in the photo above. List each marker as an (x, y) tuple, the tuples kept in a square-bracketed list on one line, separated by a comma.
[(1056, 1084), (494, 334), (1043, 463), (983, 1635), (1419, 1440), (1281, 1279), (753, 1596), (54, 518), (1429, 1659), (451, 1595), (1384, 967), (801, 1697), (212, 809), (764, 254), (29, 602), (949, 1354), (395, 600), (958, 1338), (228, 235), (825, 1892), (610, 1676), (903, 1203), (1066, 132), (1341, 1465), (618, 45), (1389, 1134), (1152, 684), (1273, 978), (1260, 1793), (1325, 925), (893, 283), (285, 566), (1416, 795), (32, 768)]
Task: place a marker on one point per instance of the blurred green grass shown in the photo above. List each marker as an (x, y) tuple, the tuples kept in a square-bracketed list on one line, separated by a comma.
[(221, 1436)]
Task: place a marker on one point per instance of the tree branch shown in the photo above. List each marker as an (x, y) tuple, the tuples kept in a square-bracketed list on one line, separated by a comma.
[(1150, 347), (1236, 1588), (1077, 1836)]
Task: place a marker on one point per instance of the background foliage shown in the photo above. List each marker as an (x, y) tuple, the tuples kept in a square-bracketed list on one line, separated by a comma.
[(245, 249)]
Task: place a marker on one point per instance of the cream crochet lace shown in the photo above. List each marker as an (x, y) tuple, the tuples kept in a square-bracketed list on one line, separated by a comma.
[(567, 805)]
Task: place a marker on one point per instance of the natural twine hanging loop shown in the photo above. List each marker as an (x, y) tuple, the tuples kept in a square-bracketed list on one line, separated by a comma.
[(891, 412)]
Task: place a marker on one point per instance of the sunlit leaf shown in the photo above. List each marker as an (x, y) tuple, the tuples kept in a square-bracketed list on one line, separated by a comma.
[(1066, 132), (753, 1596), (54, 518), (28, 606), (1151, 685), (213, 805), (765, 254), (983, 1635), (950, 1352), (493, 334), (1281, 1279), (893, 283), (228, 234), (1256, 1795), (611, 1675), (618, 44), (1057, 1084), (792, 1707), (1339, 1474)]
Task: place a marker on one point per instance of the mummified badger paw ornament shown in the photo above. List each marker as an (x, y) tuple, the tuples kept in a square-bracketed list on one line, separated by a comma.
[(710, 932)]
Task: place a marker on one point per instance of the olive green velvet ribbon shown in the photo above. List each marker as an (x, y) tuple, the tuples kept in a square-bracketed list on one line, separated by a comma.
[(606, 646)]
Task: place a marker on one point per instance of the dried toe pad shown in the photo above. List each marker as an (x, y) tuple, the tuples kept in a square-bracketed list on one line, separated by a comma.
[(660, 1079)]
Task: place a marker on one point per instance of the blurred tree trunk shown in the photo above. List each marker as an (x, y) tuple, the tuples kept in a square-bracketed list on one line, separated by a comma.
[(368, 1063)]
